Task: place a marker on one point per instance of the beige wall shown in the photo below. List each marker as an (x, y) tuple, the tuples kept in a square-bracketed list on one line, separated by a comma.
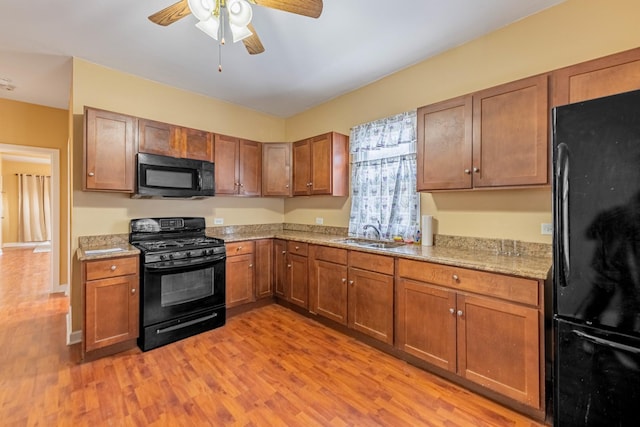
[(572, 32), (10, 195), (32, 125)]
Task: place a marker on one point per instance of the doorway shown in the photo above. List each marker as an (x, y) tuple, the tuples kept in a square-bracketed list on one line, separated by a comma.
[(54, 159)]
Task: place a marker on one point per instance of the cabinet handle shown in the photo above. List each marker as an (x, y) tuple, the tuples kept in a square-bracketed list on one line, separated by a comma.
[(91, 174), (467, 171), (113, 268), (239, 248), (241, 185), (250, 265), (351, 282), (286, 186), (476, 170), (459, 313), (452, 311), (133, 290), (344, 280), (288, 265), (284, 252), (455, 277), (297, 248)]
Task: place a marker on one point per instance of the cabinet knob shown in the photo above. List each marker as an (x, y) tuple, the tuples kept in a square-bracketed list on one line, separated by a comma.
[(476, 170), (113, 268), (239, 248), (344, 280), (459, 313), (250, 265), (351, 282), (467, 171), (452, 311), (297, 248), (284, 252), (286, 186), (455, 277), (288, 265), (91, 174), (133, 290), (241, 185)]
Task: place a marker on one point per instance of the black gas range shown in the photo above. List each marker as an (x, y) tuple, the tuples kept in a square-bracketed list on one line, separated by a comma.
[(182, 280)]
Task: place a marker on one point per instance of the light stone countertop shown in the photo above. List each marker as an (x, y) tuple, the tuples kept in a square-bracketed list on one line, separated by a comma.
[(463, 252)]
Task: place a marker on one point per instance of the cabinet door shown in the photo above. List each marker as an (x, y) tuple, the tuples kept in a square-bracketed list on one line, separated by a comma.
[(370, 301), (298, 279), (276, 169), (240, 280), (226, 160), (301, 167), (110, 151), (329, 283), (444, 135), (606, 76), (264, 268), (250, 168), (426, 323), (498, 347), (196, 144), (321, 165), (280, 273), (158, 138), (510, 134), (111, 311)]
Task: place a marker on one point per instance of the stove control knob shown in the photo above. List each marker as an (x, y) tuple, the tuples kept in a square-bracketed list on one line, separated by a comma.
[(188, 254), (162, 257), (170, 256)]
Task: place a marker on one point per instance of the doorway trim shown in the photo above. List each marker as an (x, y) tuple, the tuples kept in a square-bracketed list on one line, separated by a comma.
[(54, 156)]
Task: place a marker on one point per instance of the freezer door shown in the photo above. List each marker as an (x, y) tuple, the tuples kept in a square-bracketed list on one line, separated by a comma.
[(596, 377), (596, 190)]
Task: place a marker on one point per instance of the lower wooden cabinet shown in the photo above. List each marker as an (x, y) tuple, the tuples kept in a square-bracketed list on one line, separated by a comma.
[(264, 268), (492, 340), (280, 269), (353, 288), (297, 277), (240, 273), (111, 301)]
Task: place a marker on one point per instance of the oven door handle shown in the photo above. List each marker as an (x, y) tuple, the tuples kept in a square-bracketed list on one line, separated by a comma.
[(184, 263), (185, 324)]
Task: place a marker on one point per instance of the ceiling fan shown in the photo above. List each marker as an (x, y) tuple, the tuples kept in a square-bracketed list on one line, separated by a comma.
[(211, 17)]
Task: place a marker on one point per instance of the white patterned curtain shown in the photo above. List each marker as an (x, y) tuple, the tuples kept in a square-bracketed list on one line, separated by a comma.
[(34, 208), (384, 177)]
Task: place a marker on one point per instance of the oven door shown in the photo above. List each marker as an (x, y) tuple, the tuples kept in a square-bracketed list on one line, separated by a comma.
[(180, 289)]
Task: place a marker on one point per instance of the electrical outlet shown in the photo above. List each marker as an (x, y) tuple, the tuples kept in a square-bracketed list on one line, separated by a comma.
[(546, 228), (218, 221), (319, 220)]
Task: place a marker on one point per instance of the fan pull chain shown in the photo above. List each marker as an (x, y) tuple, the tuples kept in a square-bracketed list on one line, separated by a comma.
[(221, 37)]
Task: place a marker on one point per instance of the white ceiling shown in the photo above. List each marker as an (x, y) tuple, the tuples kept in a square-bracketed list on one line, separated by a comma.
[(307, 61)]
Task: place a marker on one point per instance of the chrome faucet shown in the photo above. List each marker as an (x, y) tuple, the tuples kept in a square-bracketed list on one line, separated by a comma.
[(376, 229)]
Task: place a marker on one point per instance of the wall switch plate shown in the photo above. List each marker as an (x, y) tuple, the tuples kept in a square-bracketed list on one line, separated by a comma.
[(546, 228), (319, 220), (218, 221)]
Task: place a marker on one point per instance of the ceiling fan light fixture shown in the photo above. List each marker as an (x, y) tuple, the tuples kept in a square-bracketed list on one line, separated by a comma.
[(210, 27), (240, 12), (239, 33), (202, 9)]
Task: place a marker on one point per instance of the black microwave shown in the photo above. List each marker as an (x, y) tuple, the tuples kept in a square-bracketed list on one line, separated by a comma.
[(164, 176)]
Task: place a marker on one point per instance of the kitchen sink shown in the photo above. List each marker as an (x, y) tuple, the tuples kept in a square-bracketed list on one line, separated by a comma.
[(377, 244)]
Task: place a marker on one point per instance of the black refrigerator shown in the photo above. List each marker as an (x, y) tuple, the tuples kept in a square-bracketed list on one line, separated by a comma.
[(596, 265)]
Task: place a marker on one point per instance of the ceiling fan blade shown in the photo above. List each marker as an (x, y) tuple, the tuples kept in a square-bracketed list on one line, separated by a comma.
[(311, 8), (253, 43), (171, 14)]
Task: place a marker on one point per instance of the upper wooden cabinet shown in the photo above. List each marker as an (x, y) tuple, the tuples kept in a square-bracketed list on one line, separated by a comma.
[(321, 165), (174, 141), (110, 151), (237, 166), (605, 76), (497, 137), (276, 169)]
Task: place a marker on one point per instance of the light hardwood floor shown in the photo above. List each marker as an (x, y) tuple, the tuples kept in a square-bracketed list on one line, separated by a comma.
[(268, 367)]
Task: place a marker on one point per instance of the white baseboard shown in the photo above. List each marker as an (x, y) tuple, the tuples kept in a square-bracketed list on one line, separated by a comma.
[(73, 337)]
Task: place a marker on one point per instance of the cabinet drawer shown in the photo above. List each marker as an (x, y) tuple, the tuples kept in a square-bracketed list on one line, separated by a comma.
[(111, 267), (329, 254), (298, 248), (510, 288), (365, 261), (240, 248)]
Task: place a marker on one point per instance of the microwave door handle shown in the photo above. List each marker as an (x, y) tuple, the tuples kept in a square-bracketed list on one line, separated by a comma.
[(199, 179)]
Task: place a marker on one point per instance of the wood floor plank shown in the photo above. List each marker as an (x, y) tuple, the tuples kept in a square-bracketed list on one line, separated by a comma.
[(267, 367)]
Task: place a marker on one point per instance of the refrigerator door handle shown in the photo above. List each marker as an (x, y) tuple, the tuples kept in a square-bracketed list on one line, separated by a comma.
[(562, 211), (607, 343)]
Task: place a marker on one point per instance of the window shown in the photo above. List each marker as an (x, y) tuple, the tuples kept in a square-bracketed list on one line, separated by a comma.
[(383, 178)]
